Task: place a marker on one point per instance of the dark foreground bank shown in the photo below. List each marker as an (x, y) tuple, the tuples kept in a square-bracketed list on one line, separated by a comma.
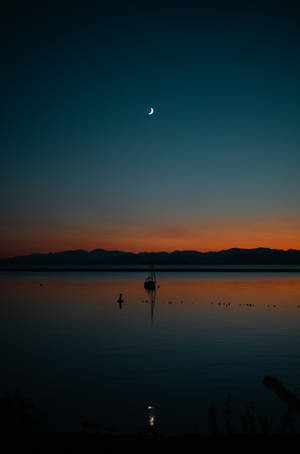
[(87, 443)]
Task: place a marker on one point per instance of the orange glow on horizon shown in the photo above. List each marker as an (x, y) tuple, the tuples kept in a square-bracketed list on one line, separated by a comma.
[(208, 236)]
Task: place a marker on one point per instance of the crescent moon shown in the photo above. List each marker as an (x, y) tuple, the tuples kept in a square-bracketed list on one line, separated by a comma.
[(151, 111)]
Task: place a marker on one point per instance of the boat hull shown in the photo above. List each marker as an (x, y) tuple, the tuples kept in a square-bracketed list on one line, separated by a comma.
[(150, 285)]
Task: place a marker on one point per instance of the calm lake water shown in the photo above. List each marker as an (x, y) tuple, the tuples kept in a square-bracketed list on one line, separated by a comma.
[(81, 356)]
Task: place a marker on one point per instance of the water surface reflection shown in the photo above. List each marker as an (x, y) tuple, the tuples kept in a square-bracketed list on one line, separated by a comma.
[(183, 347)]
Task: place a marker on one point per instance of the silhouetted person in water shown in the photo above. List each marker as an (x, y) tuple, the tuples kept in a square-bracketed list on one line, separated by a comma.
[(120, 301)]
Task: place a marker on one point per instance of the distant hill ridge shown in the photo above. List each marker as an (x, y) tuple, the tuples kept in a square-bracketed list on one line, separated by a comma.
[(233, 256)]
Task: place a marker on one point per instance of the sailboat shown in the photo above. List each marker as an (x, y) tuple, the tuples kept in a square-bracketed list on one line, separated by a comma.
[(150, 281)]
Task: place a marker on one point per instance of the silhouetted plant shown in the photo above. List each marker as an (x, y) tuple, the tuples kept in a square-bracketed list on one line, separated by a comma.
[(228, 416), (213, 426), (17, 413), (225, 423), (266, 425), (287, 425), (249, 419)]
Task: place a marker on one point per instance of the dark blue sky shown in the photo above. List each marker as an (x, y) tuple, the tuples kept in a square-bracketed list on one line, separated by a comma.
[(84, 166)]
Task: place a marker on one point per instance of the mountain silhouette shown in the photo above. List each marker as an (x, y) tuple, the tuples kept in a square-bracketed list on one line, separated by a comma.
[(233, 256)]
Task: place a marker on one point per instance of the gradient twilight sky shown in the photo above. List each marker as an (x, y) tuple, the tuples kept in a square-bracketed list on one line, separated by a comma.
[(84, 166)]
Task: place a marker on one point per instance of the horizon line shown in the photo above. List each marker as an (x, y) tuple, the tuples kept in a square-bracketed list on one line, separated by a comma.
[(207, 251)]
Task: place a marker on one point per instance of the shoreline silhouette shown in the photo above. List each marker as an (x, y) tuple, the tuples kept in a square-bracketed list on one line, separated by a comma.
[(110, 260)]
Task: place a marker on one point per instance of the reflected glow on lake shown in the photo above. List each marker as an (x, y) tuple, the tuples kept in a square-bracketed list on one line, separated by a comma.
[(81, 355)]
